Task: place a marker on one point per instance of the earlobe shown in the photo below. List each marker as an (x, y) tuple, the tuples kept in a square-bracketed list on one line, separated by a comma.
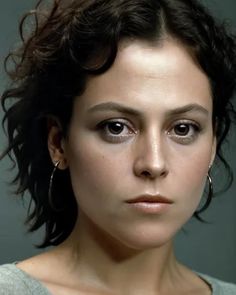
[(56, 147)]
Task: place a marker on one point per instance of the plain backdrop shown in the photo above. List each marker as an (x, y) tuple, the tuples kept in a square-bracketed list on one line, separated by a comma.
[(208, 248)]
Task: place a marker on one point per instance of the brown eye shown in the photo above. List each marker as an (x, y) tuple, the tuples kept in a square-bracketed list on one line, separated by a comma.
[(185, 132), (115, 127), (115, 131), (182, 129)]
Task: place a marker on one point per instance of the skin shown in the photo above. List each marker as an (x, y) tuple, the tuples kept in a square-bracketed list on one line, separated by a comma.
[(165, 148)]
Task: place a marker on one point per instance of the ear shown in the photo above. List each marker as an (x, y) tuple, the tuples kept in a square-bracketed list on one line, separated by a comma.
[(56, 143), (213, 151)]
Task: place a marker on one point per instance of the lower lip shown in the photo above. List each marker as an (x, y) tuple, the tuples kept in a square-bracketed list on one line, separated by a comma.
[(148, 207)]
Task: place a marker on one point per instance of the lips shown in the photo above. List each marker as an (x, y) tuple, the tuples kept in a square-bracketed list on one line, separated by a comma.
[(150, 199), (150, 204)]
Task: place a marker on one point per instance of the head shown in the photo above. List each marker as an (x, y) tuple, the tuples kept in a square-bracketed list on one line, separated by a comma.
[(86, 53)]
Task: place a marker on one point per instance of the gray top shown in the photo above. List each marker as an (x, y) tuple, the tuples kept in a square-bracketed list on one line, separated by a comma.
[(14, 281)]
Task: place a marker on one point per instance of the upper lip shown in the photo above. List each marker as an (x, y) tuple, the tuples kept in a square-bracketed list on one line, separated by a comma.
[(150, 199)]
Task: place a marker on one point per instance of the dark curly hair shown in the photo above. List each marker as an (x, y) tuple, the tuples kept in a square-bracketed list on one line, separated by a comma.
[(72, 40)]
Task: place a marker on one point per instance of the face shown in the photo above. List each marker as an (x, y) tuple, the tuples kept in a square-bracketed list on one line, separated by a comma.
[(143, 128)]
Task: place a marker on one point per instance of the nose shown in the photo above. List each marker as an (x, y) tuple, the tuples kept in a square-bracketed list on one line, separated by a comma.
[(150, 158)]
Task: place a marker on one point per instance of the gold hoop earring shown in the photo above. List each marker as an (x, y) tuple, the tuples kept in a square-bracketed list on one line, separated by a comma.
[(50, 189)]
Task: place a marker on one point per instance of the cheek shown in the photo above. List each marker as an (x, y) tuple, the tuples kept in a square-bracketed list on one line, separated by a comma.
[(193, 162), (94, 174), (197, 168), (192, 173)]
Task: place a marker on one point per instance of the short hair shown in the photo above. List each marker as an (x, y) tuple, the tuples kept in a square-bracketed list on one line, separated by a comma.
[(79, 38)]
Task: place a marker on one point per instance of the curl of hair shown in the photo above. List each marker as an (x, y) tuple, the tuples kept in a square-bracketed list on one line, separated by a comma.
[(78, 38)]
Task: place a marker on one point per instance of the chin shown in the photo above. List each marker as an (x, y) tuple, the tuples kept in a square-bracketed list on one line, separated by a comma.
[(144, 240)]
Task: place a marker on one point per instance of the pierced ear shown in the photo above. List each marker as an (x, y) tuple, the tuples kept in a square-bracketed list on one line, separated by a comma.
[(56, 143)]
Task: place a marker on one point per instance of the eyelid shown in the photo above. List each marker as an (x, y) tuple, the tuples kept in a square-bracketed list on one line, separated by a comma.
[(115, 138), (195, 129), (114, 120), (188, 138), (186, 122)]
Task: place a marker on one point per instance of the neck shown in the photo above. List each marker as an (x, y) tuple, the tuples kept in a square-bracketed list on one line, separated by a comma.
[(96, 257)]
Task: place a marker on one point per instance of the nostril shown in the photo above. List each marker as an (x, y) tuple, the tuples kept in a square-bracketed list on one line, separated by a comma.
[(146, 173), (164, 173), (153, 174)]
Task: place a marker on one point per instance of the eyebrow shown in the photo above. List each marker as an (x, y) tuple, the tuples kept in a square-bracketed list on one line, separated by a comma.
[(113, 106), (189, 108)]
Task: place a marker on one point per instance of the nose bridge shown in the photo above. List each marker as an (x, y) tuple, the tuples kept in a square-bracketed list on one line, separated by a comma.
[(151, 158), (153, 145)]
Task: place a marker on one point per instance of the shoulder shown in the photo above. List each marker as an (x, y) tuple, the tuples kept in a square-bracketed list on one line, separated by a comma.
[(219, 287), (13, 281)]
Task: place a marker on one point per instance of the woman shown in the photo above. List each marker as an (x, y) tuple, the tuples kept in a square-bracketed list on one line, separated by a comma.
[(121, 108)]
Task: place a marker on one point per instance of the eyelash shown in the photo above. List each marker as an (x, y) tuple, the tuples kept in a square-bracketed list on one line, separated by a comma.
[(102, 127), (194, 128)]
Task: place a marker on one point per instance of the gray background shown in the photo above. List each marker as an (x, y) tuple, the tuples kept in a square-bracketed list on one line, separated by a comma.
[(209, 248)]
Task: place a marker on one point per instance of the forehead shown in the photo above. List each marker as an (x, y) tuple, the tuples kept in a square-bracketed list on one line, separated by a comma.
[(146, 74)]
